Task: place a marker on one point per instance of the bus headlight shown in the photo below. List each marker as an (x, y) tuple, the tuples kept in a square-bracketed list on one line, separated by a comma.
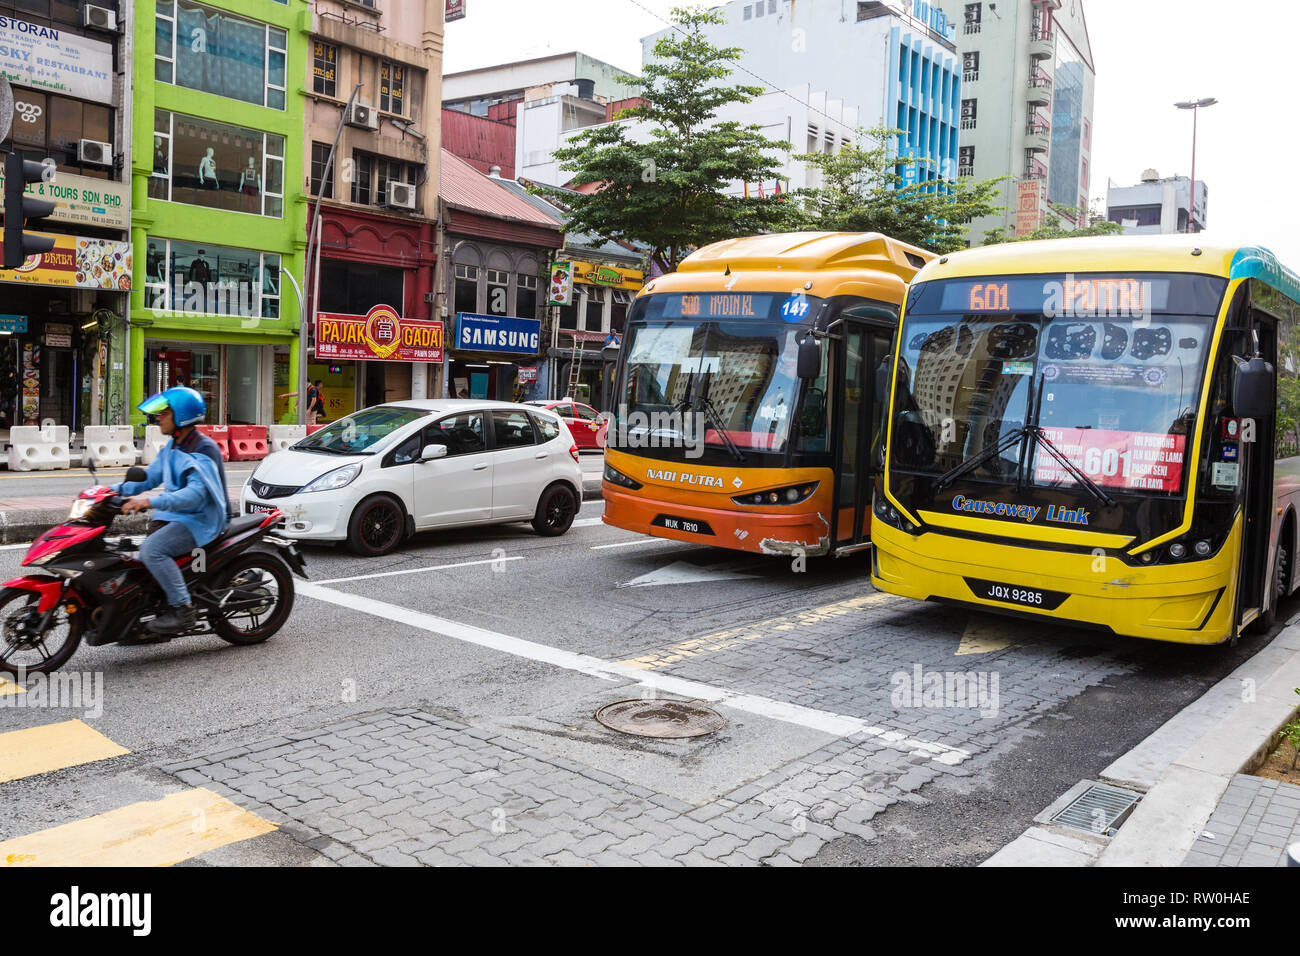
[(1202, 547), (1178, 550), (790, 495), (887, 513), (616, 477)]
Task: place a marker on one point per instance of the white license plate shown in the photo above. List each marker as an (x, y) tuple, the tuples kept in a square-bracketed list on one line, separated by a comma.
[(252, 509)]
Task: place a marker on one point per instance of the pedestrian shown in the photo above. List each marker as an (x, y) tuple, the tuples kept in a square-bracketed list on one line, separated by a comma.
[(315, 402)]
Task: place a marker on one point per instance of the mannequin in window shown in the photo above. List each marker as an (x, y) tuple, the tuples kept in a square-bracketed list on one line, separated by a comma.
[(159, 156), (199, 271), (208, 171), (250, 184)]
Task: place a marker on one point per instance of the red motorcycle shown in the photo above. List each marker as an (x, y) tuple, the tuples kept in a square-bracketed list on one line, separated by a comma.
[(87, 586)]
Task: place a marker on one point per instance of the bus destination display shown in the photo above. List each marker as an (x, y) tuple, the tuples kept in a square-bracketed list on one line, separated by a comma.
[(720, 305), (1120, 296)]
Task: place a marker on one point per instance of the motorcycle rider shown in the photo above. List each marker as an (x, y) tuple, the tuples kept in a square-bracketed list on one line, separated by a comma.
[(194, 505)]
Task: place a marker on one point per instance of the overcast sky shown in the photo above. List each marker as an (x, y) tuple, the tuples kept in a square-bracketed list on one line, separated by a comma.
[(1148, 54)]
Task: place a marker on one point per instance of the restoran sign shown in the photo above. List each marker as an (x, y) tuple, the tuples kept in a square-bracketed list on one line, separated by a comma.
[(592, 273), (47, 58), (379, 335)]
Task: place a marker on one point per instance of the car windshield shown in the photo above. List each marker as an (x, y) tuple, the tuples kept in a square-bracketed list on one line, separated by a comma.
[(732, 379), (1111, 383), (363, 433)]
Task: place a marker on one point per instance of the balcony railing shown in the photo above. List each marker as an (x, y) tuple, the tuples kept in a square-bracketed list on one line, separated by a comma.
[(963, 171), (1041, 35), (1035, 172), (970, 76), (1038, 129), (1040, 80), (967, 123), (971, 28)]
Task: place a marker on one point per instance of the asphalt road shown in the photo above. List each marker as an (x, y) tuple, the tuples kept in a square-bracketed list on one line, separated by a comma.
[(510, 642)]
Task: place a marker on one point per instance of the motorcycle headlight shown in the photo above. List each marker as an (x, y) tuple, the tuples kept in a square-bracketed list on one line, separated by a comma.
[(333, 480), (79, 508)]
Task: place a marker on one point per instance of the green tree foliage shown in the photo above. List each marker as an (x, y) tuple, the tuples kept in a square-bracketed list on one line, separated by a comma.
[(669, 191), (1091, 222), (865, 188)]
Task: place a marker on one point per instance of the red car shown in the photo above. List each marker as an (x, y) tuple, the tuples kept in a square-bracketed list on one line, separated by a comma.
[(587, 425)]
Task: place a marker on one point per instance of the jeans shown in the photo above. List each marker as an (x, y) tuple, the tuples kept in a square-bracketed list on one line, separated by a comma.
[(159, 552)]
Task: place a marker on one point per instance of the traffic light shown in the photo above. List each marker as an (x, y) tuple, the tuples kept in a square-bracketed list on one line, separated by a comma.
[(20, 209)]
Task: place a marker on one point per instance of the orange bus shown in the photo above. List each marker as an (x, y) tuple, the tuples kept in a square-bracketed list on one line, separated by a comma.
[(745, 413)]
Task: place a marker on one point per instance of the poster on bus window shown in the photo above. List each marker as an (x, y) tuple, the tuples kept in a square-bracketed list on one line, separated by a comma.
[(1141, 461)]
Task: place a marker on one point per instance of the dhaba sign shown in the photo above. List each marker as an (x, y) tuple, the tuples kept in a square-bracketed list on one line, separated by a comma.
[(592, 273), (381, 334)]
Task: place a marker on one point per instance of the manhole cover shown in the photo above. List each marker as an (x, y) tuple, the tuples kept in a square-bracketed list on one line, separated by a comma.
[(661, 718)]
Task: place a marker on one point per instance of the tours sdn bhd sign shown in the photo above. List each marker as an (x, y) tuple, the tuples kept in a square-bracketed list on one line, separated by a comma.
[(379, 335)]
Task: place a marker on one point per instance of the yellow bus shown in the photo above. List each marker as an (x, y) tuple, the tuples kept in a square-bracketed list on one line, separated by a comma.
[(1102, 431), (745, 413)]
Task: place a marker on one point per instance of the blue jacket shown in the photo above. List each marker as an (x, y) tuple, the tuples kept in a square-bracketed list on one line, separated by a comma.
[(194, 484)]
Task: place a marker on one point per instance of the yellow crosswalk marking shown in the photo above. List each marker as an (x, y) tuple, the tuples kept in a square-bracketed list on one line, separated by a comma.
[(162, 832), (985, 634), (8, 687), (735, 637), (52, 747)]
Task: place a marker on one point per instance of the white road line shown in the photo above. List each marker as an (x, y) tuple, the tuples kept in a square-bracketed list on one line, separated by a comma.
[(14, 547), (587, 522), (838, 725), (436, 567), (624, 544)]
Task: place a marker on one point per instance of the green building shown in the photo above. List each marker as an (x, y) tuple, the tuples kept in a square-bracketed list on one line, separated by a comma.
[(217, 217)]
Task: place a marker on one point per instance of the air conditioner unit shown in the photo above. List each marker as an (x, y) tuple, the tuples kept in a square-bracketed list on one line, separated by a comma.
[(401, 196), (97, 154), (362, 116), (99, 18)]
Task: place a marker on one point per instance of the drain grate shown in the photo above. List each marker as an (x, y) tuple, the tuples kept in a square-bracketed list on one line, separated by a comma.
[(1100, 809), (661, 718)]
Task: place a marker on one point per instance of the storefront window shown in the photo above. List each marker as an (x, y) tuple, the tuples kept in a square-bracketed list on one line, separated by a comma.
[(49, 125), (203, 279), (173, 364), (220, 53), (205, 163)]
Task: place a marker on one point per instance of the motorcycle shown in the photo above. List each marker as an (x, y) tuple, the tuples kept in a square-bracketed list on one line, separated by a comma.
[(88, 586)]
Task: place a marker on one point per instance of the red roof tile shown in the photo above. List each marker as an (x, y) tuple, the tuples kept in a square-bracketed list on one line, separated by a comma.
[(464, 186)]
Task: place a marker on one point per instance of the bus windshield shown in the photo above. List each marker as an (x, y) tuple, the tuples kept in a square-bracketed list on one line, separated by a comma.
[(731, 382), (1106, 370)]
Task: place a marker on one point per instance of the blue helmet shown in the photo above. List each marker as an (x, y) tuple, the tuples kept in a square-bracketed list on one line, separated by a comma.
[(187, 405)]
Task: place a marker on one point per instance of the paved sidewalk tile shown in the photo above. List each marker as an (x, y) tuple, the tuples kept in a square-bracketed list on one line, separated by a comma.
[(1254, 823)]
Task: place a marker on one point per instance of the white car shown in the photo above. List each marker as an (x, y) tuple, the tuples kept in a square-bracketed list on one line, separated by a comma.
[(381, 474)]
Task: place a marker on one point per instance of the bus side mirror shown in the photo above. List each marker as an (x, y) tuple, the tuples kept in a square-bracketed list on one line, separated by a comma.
[(884, 372), (1252, 388), (810, 357)]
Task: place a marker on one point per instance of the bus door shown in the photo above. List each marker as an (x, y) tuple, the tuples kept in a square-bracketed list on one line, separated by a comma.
[(1257, 494), (862, 347)]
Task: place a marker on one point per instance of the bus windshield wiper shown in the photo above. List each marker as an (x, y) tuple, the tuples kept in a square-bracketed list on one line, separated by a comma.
[(1034, 436), (990, 451), (712, 413)]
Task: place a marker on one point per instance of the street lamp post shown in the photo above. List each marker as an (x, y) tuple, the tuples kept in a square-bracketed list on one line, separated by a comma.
[(1194, 106)]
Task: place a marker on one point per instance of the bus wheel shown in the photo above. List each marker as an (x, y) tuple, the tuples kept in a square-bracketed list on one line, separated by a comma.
[(1281, 575)]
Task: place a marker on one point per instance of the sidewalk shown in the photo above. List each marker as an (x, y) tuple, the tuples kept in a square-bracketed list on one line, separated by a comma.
[(1197, 804)]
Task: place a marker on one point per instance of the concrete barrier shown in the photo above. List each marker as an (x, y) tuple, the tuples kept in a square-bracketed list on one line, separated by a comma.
[(109, 445), (312, 429), (219, 434), (248, 442), (281, 437), (154, 439), (39, 448)]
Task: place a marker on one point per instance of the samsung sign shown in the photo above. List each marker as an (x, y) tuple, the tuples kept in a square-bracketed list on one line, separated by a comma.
[(496, 333)]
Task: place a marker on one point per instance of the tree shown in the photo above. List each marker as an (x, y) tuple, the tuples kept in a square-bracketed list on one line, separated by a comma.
[(668, 191), (1091, 222), (867, 187)]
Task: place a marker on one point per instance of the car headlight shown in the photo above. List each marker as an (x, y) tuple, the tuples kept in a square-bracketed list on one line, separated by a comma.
[(333, 480)]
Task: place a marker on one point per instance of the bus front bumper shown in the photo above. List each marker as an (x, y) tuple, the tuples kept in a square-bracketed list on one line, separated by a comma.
[(1191, 602), (793, 534)]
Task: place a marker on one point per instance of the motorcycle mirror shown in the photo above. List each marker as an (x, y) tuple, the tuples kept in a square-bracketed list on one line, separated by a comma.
[(136, 473)]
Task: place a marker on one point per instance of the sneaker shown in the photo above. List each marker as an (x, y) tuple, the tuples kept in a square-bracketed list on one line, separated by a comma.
[(177, 620)]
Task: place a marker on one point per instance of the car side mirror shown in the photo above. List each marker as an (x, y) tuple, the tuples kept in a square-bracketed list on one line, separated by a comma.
[(136, 473), (810, 357), (1252, 388), (433, 452)]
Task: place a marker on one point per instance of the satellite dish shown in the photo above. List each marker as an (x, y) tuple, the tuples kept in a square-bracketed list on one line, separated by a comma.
[(6, 108)]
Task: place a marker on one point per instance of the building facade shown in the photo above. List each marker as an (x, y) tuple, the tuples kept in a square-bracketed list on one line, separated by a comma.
[(1157, 206), (905, 70), (216, 215), (63, 342), (1026, 108), (491, 90)]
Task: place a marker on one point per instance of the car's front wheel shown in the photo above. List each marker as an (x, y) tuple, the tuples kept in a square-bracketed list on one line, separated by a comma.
[(376, 527), (555, 511)]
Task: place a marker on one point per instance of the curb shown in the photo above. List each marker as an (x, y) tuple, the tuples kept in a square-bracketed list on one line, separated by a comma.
[(1182, 769)]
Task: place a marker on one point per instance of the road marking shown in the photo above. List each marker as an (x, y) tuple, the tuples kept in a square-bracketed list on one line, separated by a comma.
[(837, 725), (624, 544), (737, 636), (24, 753), (587, 522), (15, 547), (682, 572), (8, 687), (436, 567), (984, 635), (163, 832)]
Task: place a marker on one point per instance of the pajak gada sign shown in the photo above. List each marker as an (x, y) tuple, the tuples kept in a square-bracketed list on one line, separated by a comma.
[(379, 335), (47, 58)]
